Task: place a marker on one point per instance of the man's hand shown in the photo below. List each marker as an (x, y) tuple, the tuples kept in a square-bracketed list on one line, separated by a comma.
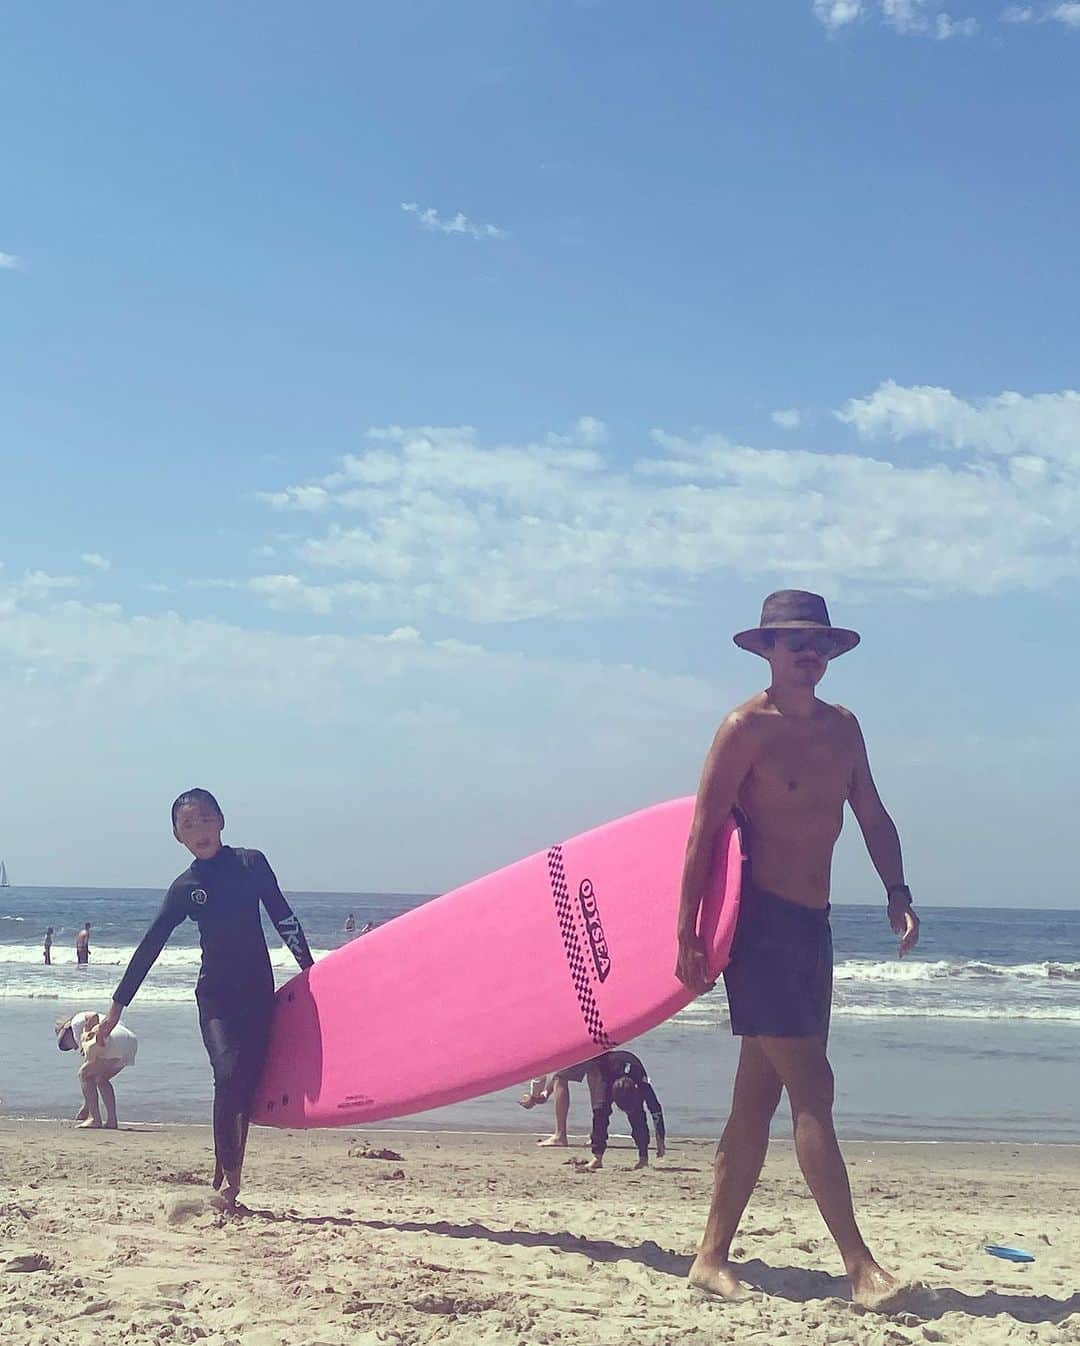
[(692, 967), (106, 1026), (904, 923)]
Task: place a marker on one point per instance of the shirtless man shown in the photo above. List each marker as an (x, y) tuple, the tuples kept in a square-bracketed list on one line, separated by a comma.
[(788, 763), (82, 945)]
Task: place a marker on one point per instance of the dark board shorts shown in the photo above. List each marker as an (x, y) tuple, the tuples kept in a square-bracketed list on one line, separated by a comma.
[(779, 980)]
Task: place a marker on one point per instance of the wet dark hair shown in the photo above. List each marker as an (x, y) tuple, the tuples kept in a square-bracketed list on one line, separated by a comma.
[(624, 1093), (196, 796)]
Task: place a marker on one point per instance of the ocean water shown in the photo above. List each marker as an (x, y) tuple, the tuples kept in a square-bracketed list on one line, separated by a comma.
[(975, 1035)]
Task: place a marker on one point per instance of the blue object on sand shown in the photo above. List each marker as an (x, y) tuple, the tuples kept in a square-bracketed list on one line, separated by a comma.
[(1010, 1254)]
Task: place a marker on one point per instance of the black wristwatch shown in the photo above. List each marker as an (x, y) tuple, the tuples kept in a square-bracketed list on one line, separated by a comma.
[(900, 888)]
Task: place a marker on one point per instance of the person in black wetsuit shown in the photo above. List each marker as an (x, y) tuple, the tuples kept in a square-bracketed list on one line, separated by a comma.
[(617, 1077), (620, 1078), (221, 892)]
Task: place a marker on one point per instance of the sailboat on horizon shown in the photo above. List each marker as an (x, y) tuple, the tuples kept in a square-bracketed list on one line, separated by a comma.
[(4, 882)]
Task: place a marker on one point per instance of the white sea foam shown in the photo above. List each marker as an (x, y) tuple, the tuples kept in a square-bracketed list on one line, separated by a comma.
[(894, 970), (174, 957), (851, 970), (708, 1014), (874, 989), (90, 992), (1013, 1012)]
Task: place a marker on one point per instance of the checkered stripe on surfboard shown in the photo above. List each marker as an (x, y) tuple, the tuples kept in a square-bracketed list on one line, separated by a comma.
[(575, 956)]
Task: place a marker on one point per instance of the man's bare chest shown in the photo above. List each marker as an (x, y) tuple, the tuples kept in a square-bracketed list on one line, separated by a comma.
[(803, 771)]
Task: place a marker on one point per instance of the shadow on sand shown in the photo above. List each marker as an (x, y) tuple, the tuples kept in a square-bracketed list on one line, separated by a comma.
[(795, 1284)]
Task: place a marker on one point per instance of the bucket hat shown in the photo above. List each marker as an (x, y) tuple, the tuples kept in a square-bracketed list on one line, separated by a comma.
[(794, 610)]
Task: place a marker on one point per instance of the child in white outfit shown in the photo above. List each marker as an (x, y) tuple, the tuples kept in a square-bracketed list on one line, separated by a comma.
[(101, 1063)]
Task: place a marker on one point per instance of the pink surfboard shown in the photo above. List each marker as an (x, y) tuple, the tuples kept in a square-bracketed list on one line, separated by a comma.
[(538, 966)]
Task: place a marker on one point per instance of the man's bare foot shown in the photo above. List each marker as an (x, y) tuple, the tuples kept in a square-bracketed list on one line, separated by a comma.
[(873, 1288), (554, 1141), (82, 1114), (91, 1124), (717, 1278), (111, 1125), (642, 1163), (225, 1200)]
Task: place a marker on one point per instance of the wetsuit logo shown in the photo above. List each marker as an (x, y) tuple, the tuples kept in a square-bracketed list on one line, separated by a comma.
[(598, 946), (198, 896)]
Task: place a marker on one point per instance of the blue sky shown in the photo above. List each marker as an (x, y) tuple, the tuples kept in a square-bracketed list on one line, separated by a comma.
[(402, 405)]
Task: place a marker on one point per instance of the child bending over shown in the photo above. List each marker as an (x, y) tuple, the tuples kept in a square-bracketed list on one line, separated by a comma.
[(102, 1062)]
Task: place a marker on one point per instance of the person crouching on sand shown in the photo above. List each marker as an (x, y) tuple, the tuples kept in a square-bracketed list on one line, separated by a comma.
[(221, 892), (788, 763), (613, 1077), (102, 1062)]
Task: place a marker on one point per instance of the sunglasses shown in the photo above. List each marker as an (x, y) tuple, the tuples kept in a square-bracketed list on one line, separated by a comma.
[(795, 642)]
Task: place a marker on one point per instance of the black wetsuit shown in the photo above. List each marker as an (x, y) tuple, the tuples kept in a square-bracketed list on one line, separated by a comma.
[(235, 989), (616, 1066)]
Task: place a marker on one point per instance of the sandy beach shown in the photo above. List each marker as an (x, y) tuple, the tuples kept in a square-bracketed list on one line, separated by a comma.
[(481, 1238)]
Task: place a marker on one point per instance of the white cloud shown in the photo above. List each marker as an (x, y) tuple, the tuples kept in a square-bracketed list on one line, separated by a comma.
[(431, 220), (288, 591), (95, 560), (906, 16), (787, 419), (946, 27), (408, 634), (311, 498), (432, 521), (9, 262), (36, 585), (837, 13), (590, 431), (360, 733), (910, 18), (916, 17), (1067, 14), (1047, 424)]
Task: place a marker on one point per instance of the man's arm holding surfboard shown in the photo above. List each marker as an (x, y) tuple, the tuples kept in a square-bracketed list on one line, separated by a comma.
[(726, 767)]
